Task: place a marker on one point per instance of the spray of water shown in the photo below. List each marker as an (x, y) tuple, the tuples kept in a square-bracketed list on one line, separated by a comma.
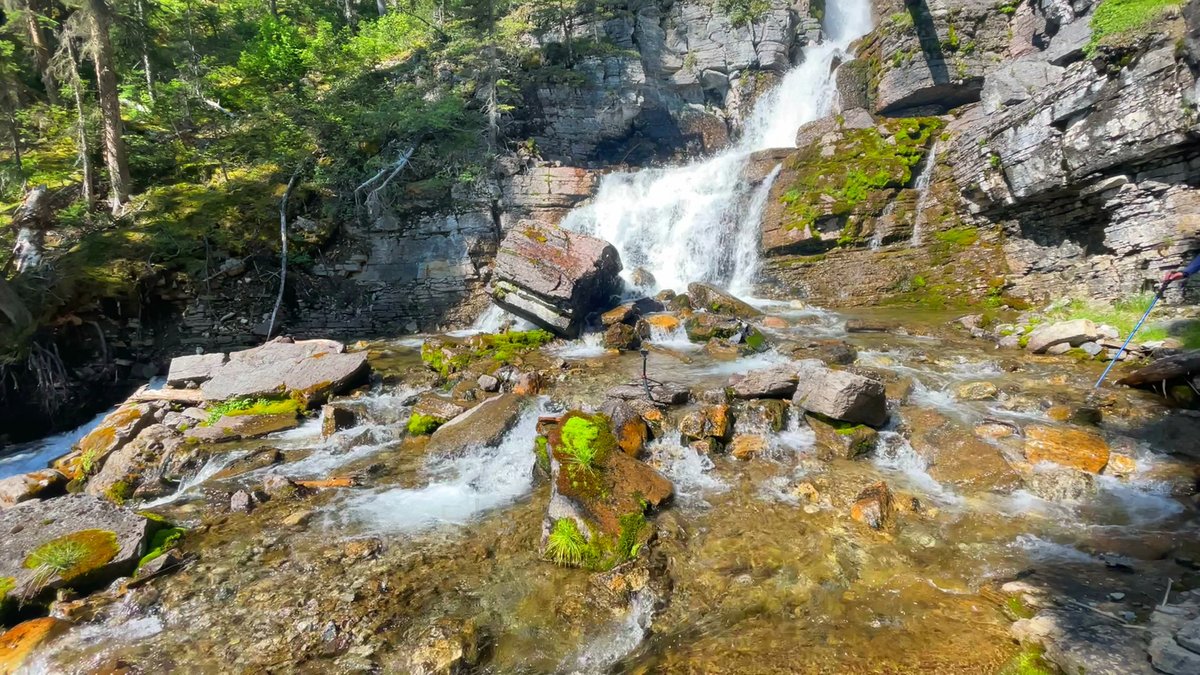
[(698, 222)]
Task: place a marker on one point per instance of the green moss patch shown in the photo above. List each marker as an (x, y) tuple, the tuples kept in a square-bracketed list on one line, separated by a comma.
[(1028, 661), (864, 161), (252, 406), (163, 540), (566, 545), (503, 347), (74, 555), (423, 425), (1122, 22)]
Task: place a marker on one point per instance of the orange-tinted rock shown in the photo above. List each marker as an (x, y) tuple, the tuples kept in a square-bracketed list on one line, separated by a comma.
[(875, 507), (1066, 447), (774, 322), (665, 322), (1120, 465), (627, 425), (710, 421), (20, 641), (994, 430), (113, 432), (747, 446), (528, 384)]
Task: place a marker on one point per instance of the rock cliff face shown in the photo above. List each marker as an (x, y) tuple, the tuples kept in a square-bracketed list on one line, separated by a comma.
[(1052, 173)]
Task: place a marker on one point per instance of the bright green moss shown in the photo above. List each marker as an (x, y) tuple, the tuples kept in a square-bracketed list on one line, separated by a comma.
[(252, 406), (1028, 661), (423, 425), (503, 347), (119, 492), (567, 546), (1116, 21), (540, 448), (583, 442), (163, 540), (6, 585), (958, 236), (863, 163)]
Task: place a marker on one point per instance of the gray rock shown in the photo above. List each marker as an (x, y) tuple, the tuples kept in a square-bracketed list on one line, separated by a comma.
[(241, 427), (1189, 635), (772, 383), (1091, 348), (1068, 43), (143, 457), (438, 407), (667, 393), (554, 277), (1171, 658), (482, 426), (1017, 81), (712, 299), (31, 524), (195, 369), (840, 395), (1058, 349), (310, 369), (1072, 333), (1078, 641), (1009, 342), (488, 383), (27, 486), (240, 502)]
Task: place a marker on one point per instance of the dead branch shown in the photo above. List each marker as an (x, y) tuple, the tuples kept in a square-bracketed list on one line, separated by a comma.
[(283, 252), (376, 184)]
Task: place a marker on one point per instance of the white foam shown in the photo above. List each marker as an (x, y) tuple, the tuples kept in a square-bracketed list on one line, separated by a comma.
[(689, 470), (460, 488), (590, 346), (619, 640)]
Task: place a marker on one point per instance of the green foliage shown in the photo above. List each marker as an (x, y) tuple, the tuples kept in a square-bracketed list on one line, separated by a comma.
[(743, 12), (423, 425), (565, 544), (1124, 315), (901, 20), (1008, 7), (863, 163), (1116, 21), (163, 540), (952, 40), (252, 406), (437, 359), (958, 236), (6, 585)]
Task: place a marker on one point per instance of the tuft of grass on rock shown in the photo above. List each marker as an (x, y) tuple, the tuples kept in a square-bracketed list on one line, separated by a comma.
[(1120, 20)]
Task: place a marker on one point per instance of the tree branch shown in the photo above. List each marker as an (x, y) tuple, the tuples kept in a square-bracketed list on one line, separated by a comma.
[(283, 204)]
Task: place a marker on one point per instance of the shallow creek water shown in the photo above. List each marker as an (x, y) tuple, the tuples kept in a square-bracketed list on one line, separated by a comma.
[(751, 577)]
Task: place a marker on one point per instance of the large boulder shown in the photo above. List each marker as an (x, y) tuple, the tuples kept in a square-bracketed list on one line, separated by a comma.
[(310, 370), (713, 299), (554, 277), (770, 383), (1074, 333), (113, 432), (840, 395), (482, 426), (77, 541)]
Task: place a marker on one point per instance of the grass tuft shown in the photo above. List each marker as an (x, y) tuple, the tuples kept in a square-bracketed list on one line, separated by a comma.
[(1117, 19), (566, 545), (249, 406), (72, 555)]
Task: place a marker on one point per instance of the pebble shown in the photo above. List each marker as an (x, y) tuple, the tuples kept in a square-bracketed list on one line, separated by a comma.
[(1116, 597)]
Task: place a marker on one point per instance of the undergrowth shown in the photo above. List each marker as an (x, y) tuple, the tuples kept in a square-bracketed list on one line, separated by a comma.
[(1124, 315)]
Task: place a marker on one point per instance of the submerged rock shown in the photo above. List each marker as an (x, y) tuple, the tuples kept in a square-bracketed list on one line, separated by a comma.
[(704, 326), (761, 416), (23, 640), (875, 507), (842, 439), (976, 391), (840, 395), (554, 277), (1067, 447), (710, 421), (748, 446)]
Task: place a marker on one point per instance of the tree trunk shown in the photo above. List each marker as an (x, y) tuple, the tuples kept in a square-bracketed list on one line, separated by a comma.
[(145, 46), (31, 220), (350, 12), (115, 158), (85, 154), (273, 7), (381, 7), (41, 50)]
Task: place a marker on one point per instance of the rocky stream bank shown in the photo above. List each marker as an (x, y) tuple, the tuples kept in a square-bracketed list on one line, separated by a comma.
[(790, 490)]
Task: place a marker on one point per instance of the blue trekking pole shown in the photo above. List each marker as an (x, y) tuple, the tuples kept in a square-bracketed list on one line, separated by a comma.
[(1161, 290)]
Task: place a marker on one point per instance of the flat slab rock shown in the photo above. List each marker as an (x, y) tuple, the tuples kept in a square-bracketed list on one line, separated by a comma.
[(310, 369), (240, 427), (482, 426), (29, 525), (194, 369)]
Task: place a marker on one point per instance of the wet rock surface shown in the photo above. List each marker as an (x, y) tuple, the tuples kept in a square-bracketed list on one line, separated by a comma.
[(554, 277), (310, 369)]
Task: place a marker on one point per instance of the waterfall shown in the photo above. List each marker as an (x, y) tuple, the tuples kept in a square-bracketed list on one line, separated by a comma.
[(699, 221), (922, 188)]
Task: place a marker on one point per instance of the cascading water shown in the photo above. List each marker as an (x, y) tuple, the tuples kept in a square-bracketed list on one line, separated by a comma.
[(693, 222), (922, 188)]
